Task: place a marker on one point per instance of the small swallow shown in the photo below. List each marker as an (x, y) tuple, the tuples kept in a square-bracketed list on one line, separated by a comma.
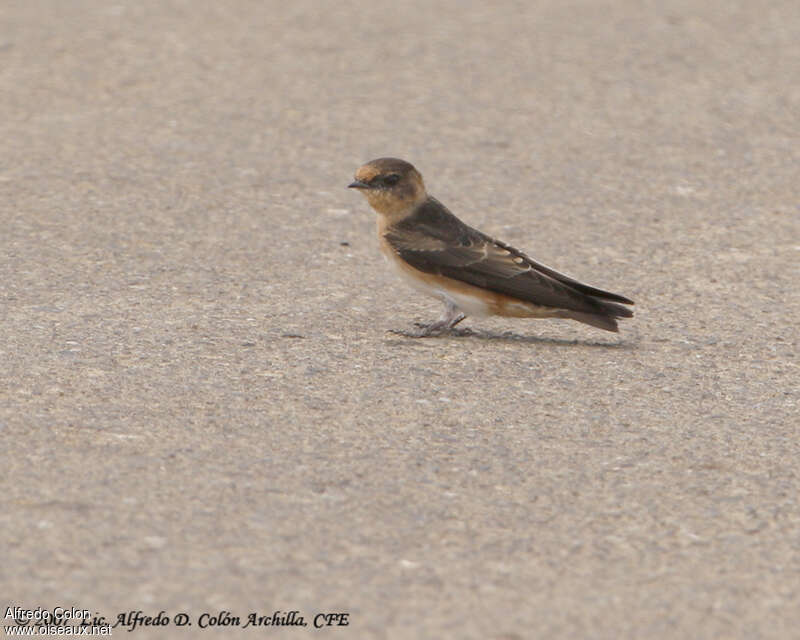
[(471, 273)]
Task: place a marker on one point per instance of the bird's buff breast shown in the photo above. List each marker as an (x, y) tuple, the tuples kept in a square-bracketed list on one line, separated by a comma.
[(434, 286)]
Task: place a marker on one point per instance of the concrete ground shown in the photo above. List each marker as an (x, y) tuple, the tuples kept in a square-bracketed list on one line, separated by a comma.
[(201, 409)]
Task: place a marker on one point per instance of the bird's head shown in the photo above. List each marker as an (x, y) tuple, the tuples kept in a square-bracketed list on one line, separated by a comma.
[(391, 186)]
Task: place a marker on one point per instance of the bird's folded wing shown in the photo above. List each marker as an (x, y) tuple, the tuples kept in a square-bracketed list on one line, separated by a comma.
[(465, 254)]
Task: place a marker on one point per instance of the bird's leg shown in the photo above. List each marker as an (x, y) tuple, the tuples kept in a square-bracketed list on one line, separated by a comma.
[(450, 317)]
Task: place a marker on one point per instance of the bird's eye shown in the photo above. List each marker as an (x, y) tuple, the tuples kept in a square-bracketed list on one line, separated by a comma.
[(391, 180)]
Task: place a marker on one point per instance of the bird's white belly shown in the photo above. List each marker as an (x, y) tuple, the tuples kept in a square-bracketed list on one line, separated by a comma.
[(470, 305)]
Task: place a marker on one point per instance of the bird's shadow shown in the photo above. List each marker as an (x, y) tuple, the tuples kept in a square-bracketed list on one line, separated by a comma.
[(510, 336)]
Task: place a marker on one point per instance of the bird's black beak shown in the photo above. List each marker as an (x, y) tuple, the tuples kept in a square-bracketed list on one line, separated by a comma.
[(358, 184)]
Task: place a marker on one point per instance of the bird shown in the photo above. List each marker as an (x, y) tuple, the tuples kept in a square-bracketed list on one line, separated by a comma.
[(467, 270)]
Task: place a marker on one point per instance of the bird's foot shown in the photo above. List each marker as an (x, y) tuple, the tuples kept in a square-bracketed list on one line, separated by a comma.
[(450, 318), (421, 332), (437, 328)]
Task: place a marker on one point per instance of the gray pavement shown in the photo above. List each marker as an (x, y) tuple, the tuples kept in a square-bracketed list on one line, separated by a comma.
[(201, 409)]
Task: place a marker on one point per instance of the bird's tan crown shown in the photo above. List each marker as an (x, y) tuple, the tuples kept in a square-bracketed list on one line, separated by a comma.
[(385, 166)]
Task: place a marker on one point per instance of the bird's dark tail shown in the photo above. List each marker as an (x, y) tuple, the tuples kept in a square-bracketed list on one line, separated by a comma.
[(605, 318)]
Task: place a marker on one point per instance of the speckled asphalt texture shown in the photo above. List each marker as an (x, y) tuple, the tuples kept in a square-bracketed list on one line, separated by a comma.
[(202, 410)]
